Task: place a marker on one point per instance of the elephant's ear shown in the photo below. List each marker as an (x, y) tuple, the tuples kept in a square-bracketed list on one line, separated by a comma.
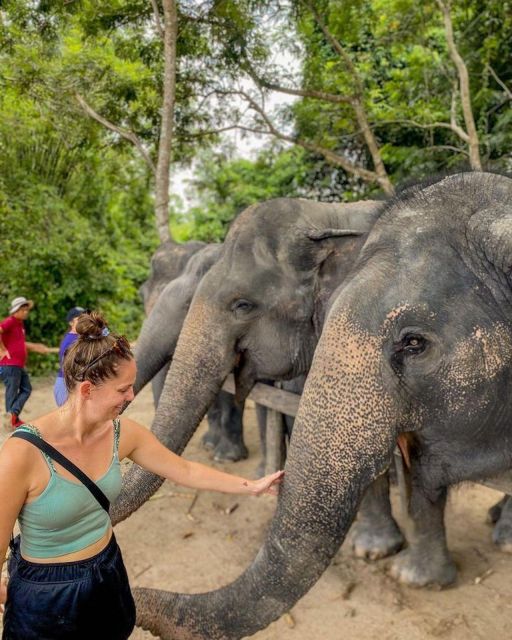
[(327, 242), (324, 234), (490, 232)]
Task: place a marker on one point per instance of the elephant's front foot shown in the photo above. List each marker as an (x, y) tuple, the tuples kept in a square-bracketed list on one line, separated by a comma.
[(375, 540), (230, 451), (210, 439), (502, 534), (418, 568)]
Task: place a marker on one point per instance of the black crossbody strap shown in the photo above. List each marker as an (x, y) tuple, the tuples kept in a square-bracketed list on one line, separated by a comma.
[(67, 464)]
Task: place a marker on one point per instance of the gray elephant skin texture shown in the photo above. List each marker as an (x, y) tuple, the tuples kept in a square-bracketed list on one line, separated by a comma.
[(167, 305), (418, 340), (258, 311), (309, 250)]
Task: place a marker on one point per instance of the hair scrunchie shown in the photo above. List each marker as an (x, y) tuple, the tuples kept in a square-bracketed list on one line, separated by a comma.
[(104, 333)]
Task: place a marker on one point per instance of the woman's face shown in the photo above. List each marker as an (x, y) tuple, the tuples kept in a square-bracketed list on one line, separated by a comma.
[(111, 397)]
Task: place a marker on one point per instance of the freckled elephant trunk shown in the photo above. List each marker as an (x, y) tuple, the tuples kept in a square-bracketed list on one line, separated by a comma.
[(343, 439), (203, 358)]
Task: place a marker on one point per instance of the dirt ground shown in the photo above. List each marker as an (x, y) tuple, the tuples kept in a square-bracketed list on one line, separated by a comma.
[(188, 542)]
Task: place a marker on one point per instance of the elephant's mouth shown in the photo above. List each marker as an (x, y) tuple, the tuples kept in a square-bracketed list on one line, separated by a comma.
[(245, 375)]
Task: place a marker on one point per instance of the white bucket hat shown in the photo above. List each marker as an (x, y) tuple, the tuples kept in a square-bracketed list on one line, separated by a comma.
[(17, 303)]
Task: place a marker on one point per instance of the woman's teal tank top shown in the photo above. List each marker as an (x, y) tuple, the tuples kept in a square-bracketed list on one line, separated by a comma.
[(66, 517)]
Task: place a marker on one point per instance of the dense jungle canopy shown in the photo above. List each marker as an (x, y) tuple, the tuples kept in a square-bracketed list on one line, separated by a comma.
[(385, 91)]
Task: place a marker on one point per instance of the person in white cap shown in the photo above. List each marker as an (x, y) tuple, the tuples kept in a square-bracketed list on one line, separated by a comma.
[(13, 357)]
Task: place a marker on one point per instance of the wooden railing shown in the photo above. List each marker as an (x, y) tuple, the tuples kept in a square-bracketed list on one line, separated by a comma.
[(278, 402)]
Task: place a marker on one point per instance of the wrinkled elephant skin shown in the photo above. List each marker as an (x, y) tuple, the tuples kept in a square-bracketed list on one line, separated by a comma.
[(258, 310), (419, 341)]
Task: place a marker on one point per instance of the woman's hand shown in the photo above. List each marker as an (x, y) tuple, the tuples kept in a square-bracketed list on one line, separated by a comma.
[(268, 484), (3, 593)]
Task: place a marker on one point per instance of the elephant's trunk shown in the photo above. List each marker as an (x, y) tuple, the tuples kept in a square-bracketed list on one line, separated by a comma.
[(202, 360), (343, 439), (160, 332)]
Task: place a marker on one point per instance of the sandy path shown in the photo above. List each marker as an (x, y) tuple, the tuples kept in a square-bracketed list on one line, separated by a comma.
[(166, 547)]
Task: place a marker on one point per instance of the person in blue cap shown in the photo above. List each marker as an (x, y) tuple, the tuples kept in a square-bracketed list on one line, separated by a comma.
[(60, 392)]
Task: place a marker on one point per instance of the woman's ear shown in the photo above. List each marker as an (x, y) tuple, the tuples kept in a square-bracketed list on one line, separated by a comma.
[(84, 389)]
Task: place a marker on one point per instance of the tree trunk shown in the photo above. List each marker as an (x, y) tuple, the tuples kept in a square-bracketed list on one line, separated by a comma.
[(170, 32)]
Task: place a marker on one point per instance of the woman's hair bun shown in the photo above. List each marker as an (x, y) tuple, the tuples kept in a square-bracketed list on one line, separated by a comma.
[(91, 326)]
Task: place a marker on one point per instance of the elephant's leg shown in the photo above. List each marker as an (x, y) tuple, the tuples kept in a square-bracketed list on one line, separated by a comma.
[(426, 560), (231, 446), (375, 534), (212, 436), (494, 513), (261, 418), (502, 534)]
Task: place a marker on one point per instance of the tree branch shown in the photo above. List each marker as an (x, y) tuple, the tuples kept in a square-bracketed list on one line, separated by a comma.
[(446, 147), (453, 118), (507, 91), (330, 156), (357, 102), (465, 96), (158, 22), (124, 133), (336, 45), (304, 93)]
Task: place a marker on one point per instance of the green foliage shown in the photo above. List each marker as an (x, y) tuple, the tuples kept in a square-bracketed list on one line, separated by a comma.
[(399, 51), (224, 188), (76, 212), (75, 217)]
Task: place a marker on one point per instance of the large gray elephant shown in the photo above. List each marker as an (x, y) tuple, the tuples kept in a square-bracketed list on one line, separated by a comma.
[(418, 341), (289, 255)]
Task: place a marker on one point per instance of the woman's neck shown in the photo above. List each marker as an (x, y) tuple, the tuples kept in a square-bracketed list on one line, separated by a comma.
[(74, 421)]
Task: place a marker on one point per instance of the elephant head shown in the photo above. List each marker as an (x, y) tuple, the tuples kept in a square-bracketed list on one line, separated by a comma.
[(167, 263), (258, 310), (159, 333), (418, 340)]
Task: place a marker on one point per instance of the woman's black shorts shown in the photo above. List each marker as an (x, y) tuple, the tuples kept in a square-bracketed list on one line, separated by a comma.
[(85, 600)]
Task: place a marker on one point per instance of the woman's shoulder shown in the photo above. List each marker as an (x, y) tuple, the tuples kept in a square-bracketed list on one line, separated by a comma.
[(131, 435), (17, 454), (44, 422)]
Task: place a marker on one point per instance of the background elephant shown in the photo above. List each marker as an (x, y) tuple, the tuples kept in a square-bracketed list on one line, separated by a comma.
[(418, 341), (167, 263), (159, 334), (259, 310)]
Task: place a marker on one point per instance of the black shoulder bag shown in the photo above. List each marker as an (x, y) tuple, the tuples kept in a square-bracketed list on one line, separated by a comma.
[(67, 464)]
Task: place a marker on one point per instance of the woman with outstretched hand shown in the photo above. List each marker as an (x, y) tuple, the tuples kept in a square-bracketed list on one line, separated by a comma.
[(67, 579)]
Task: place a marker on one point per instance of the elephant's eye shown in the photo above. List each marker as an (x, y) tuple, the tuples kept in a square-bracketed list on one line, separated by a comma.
[(413, 344), (242, 306)]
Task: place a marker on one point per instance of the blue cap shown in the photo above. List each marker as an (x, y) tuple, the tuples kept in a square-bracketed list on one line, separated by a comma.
[(74, 313)]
